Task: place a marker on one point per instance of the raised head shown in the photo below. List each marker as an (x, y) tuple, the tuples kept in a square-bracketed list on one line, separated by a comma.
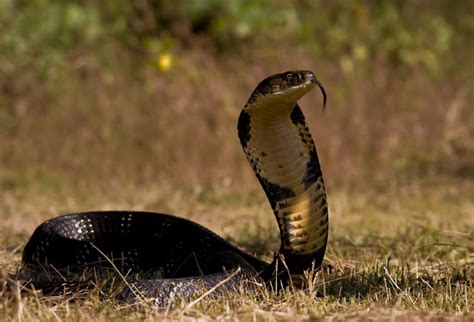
[(285, 88), (274, 135)]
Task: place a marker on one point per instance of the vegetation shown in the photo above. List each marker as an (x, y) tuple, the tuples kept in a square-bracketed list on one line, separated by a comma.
[(133, 105)]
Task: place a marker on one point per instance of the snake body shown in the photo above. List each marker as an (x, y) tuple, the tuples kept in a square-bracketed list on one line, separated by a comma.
[(165, 256)]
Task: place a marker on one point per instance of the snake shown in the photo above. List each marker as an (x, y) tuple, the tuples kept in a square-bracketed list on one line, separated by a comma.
[(165, 257)]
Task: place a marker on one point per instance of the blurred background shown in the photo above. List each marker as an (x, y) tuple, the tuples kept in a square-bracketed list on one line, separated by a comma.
[(147, 92)]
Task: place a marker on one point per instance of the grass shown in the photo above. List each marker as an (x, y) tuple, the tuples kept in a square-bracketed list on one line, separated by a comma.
[(402, 253)]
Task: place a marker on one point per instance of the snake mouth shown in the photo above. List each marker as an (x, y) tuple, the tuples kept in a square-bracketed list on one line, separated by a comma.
[(285, 82), (288, 86)]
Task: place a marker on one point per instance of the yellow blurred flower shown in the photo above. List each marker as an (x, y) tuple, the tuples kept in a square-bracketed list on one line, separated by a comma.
[(164, 62)]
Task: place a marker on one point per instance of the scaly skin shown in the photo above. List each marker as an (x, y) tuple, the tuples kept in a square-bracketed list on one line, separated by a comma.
[(278, 145)]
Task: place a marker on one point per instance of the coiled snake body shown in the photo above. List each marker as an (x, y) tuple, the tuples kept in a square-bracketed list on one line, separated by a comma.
[(166, 256)]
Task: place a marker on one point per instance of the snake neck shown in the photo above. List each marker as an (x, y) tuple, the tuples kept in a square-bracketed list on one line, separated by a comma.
[(283, 155)]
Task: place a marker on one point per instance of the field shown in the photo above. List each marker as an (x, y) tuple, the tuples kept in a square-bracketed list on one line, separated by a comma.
[(401, 252), (136, 119)]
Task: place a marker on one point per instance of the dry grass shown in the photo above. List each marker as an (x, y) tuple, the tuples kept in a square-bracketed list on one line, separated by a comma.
[(403, 253), (154, 128), (396, 153)]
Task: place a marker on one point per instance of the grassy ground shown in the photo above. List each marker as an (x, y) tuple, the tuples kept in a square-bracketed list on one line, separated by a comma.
[(404, 251)]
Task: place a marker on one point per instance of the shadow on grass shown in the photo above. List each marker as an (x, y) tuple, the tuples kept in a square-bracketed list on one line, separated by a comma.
[(389, 281)]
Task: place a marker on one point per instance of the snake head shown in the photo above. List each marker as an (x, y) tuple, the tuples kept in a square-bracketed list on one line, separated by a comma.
[(289, 86)]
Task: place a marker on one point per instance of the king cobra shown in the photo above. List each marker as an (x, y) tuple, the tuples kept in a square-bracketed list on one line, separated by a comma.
[(164, 257)]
